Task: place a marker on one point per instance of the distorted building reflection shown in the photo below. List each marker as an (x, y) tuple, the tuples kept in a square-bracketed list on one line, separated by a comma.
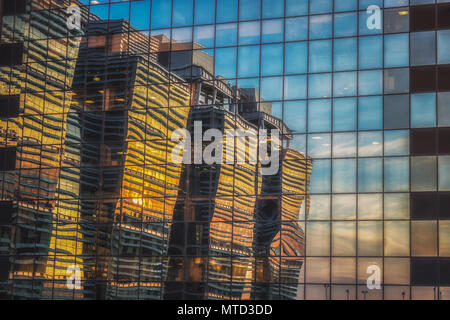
[(37, 72)]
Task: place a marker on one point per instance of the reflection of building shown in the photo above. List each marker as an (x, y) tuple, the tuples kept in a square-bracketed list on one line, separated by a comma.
[(89, 190), (130, 108), (213, 251), (279, 239), (36, 82)]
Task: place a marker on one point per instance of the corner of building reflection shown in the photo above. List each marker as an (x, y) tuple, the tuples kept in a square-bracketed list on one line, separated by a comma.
[(91, 189)]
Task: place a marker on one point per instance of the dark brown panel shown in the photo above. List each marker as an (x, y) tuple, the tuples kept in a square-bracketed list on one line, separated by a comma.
[(444, 16), (424, 206), (7, 159), (6, 210), (11, 54), (13, 7), (422, 18), (9, 106), (444, 205), (444, 141), (444, 78), (424, 271), (423, 142), (444, 272), (4, 268), (423, 79)]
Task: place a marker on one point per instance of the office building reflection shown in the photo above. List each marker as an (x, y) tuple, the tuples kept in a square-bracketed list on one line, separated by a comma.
[(37, 70), (93, 207)]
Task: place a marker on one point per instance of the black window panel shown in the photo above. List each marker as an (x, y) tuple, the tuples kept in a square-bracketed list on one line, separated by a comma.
[(444, 16), (6, 211), (423, 142), (422, 18), (424, 271), (4, 268), (444, 78), (444, 272), (13, 7), (444, 141), (423, 79), (7, 159), (11, 54), (424, 206), (9, 106), (444, 205)]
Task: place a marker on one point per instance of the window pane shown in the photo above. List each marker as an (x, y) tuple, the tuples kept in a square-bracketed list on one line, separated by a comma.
[(248, 61), (370, 52), (396, 80), (370, 82), (396, 111), (444, 109), (345, 54), (249, 32), (319, 234), (424, 238), (320, 6), (444, 173), (204, 11), (345, 24), (423, 174), (295, 87), (396, 20), (296, 7), (272, 31), (226, 10), (319, 115), (443, 46), (343, 238), (272, 9), (344, 114), (396, 50), (296, 60), (344, 84), (370, 206), (370, 144), (272, 60), (320, 27), (320, 176), (182, 13), (423, 48), (344, 207), (370, 113), (396, 205), (249, 9), (319, 145), (296, 29), (319, 85), (344, 145), (320, 56), (396, 174), (396, 238), (226, 34), (396, 143), (370, 175), (295, 115), (370, 238), (423, 110), (344, 175)]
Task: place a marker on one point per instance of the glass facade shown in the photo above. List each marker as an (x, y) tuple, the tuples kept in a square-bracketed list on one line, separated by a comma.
[(138, 138)]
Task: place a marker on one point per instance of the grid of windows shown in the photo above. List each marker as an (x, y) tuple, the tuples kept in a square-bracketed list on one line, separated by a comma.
[(93, 206)]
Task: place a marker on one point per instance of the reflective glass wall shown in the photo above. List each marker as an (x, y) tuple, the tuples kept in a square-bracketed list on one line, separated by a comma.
[(350, 99)]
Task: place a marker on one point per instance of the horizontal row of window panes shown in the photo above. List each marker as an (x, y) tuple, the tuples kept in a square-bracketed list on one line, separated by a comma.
[(376, 175)]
